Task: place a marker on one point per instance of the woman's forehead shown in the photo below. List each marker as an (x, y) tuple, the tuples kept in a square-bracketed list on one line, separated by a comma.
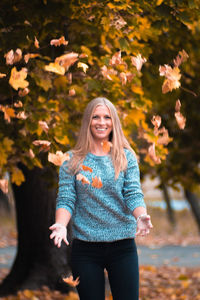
[(102, 109)]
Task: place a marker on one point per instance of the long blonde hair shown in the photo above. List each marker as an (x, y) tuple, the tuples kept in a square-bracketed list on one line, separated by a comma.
[(85, 139)]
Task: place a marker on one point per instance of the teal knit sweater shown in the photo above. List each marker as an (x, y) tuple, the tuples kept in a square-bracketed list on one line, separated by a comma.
[(101, 214)]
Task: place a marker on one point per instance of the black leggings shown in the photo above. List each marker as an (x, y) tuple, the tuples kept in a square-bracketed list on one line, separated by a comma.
[(119, 258)]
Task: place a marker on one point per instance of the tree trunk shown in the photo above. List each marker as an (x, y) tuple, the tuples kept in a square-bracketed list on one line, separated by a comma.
[(38, 262), (194, 202), (170, 211)]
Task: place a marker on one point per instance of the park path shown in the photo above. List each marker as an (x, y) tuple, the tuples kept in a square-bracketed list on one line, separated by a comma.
[(188, 256)]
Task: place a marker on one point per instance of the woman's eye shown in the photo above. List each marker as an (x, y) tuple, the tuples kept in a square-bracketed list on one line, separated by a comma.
[(94, 117), (107, 117)]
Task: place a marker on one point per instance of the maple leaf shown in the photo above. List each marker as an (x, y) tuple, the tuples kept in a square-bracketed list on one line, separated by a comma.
[(152, 154), (172, 78), (30, 55), (123, 78), (4, 185), (44, 126), (17, 78), (116, 59), (85, 168), (13, 57), (17, 176), (2, 75), (55, 68), (8, 112), (70, 280), (67, 60), (107, 72), (163, 139), (96, 182), (44, 145), (59, 42), (72, 92), (106, 146), (83, 66), (118, 22), (58, 158), (180, 119), (18, 104), (24, 92), (138, 61), (82, 178), (181, 57), (156, 121), (36, 43)]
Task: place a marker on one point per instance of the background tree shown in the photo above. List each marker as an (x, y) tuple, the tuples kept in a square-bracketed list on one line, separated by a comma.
[(56, 56)]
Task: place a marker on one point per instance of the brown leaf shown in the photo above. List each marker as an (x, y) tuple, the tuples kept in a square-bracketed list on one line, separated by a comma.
[(59, 42), (172, 76), (152, 154), (21, 115), (156, 121), (178, 105), (58, 158), (67, 60), (36, 43), (13, 57), (164, 139), (106, 146), (181, 57), (180, 119), (8, 112), (30, 55), (107, 73), (85, 168), (24, 92), (116, 59), (138, 61), (96, 182), (44, 126), (44, 145), (82, 178), (18, 104)]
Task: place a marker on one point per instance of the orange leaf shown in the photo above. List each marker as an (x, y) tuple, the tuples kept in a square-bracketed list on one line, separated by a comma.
[(85, 168), (58, 42), (181, 57), (24, 92), (58, 158), (4, 185), (30, 55), (96, 182), (108, 72), (67, 60), (8, 112), (164, 139), (178, 105), (116, 59), (13, 57), (82, 178), (55, 68), (44, 126), (70, 280), (44, 145), (2, 75), (106, 146), (152, 154), (172, 78), (21, 115), (18, 104), (36, 43), (17, 79), (138, 61), (180, 119)]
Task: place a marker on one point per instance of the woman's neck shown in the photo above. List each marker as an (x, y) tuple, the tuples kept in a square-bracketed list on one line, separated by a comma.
[(97, 148)]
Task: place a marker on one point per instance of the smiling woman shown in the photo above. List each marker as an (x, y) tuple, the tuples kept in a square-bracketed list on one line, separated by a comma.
[(99, 189)]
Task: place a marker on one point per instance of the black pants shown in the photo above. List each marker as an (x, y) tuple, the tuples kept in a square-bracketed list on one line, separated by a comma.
[(119, 258)]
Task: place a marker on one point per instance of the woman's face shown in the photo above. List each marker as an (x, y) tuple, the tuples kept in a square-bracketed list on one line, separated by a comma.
[(101, 123)]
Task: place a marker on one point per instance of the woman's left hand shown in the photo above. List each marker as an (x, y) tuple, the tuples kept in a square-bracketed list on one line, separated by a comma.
[(143, 225)]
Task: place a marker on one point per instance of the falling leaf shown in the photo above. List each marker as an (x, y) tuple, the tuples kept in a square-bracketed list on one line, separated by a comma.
[(123, 78), (85, 168), (58, 158), (118, 22), (163, 139), (180, 119), (31, 153), (17, 78), (13, 57), (156, 121), (116, 59), (152, 154), (108, 72), (67, 60), (181, 57), (18, 104), (72, 92), (59, 42), (30, 55), (82, 178), (55, 68), (4, 185), (178, 105), (17, 176), (106, 146), (70, 280), (44, 126), (83, 66), (44, 145), (138, 61), (21, 115), (8, 112), (2, 75), (172, 78), (96, 182), (24, 92), (36, 43)]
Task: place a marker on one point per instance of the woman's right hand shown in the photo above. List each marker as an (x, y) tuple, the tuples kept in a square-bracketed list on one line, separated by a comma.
[(59, 233)]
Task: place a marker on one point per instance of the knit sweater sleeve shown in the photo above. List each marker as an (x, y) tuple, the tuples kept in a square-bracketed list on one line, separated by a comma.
[(132, 191), (66, 196)]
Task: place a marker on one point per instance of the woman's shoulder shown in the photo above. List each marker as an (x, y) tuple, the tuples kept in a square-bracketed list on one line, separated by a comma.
[(130, 155)]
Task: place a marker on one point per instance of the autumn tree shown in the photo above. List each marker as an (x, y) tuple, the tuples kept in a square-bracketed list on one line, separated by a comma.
[(55, 57)]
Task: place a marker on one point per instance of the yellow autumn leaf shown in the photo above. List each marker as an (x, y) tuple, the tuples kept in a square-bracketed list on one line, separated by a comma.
[(8, 112), (83, 66), (137, 89), (63, 140), (17, 78), (17, 176), (55, 68)]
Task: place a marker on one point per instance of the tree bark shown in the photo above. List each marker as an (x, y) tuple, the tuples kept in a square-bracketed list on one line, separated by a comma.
[(38, 262), (194, 202), (170, 211)]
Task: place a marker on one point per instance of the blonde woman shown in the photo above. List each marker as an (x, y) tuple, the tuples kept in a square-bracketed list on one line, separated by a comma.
[(100, 191)]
